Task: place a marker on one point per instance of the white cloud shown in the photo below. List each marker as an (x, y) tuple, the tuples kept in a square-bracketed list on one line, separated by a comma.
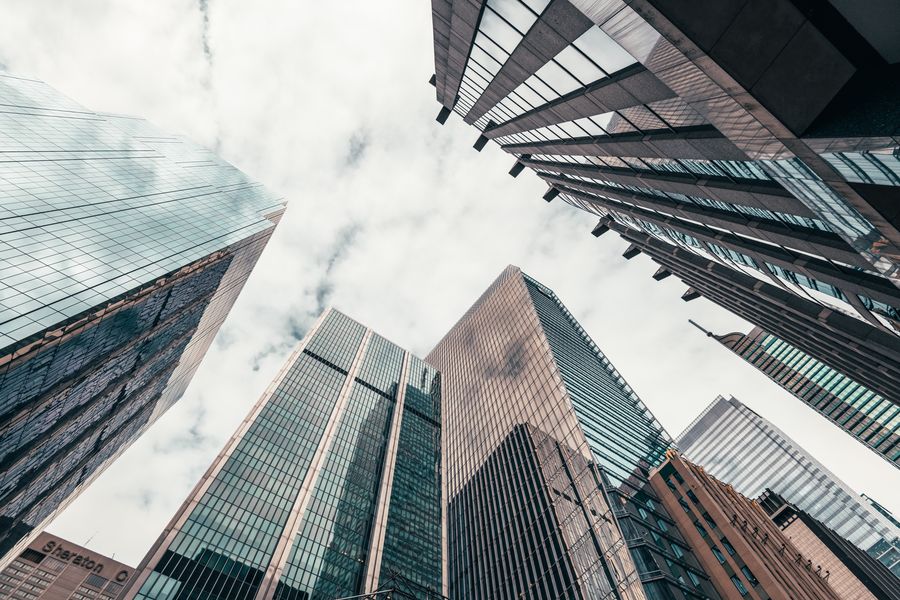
[(404, 237)]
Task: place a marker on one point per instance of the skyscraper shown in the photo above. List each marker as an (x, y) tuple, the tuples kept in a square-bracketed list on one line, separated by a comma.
[(331, 486), (547, 452), (867, 416), (757, 163), (122, 249), (739, 447)]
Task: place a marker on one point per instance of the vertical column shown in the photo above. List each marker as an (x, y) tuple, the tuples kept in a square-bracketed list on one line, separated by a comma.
[(282, 550), (165, 539), (445, 502), (379, 525)]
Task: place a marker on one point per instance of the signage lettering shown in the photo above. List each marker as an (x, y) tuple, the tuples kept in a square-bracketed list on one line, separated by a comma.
[(58, 551)]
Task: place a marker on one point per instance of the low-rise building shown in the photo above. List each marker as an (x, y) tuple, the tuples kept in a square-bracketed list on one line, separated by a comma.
[(745, 554), (852, 573), (52, 568)]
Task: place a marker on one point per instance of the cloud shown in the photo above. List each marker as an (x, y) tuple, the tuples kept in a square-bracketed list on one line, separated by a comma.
[(343, 242), (359, 141), (203, 5), (206, 82), (392, 218), (191, 433)]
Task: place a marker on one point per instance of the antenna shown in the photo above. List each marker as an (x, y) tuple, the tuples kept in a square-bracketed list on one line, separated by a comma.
[(698, 326)]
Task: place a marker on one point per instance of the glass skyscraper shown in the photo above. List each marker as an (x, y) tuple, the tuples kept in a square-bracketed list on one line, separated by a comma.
[(867, 416), (331, 486), (759, 164), (547, 453), (122, 249), (739, 447)]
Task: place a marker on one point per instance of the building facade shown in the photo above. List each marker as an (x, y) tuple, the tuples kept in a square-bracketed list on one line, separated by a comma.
[(547, 451), (50, 568), (744, 552), (759, 164), (869, 417), (331, 487), (737, 446), (852, 573), (122, 249)]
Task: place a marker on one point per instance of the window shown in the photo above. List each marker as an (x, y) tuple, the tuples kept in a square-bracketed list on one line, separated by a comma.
[(52, 564), (749, 575), (709, 520), (728, 546), (677, 551), (662, 524), (718, 554), (693, 497), (684, 505), (739, 585), (694, 579), (700, 529), (33, 555), (95, 580)]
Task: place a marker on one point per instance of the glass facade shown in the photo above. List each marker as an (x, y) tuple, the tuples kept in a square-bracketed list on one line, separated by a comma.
[(414, 517), (548, 450), (605, 78), (122, 249), (622, 120), (867, 416), (737, 446), (331, 487)]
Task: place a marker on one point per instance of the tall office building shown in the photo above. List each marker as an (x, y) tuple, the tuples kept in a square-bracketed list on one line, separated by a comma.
[(331, 486), (50, 568), (547, 452), (867, 416), (739, 447), (122, 249), (758, 163)]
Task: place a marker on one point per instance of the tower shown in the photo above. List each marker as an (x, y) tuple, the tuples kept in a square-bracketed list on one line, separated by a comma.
[(122, 249), (548, 451), (758, 164), (331, 486)]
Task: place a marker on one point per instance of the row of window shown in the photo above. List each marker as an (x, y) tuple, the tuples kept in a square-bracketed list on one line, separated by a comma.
[(704, 533)]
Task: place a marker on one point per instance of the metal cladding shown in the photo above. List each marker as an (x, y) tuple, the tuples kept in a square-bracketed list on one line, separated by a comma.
[(122, 249), (758, 163), (331, 486)]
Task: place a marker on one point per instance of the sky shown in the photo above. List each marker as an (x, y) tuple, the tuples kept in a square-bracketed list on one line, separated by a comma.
[(392, 218)]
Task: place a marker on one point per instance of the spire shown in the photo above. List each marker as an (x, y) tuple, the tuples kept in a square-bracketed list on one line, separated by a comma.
[(700, 327)]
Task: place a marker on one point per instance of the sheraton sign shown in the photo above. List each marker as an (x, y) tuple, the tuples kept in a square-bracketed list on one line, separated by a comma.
[(57, 550)]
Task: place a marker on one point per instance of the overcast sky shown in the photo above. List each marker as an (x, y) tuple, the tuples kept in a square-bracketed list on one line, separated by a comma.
[(392, 218)]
